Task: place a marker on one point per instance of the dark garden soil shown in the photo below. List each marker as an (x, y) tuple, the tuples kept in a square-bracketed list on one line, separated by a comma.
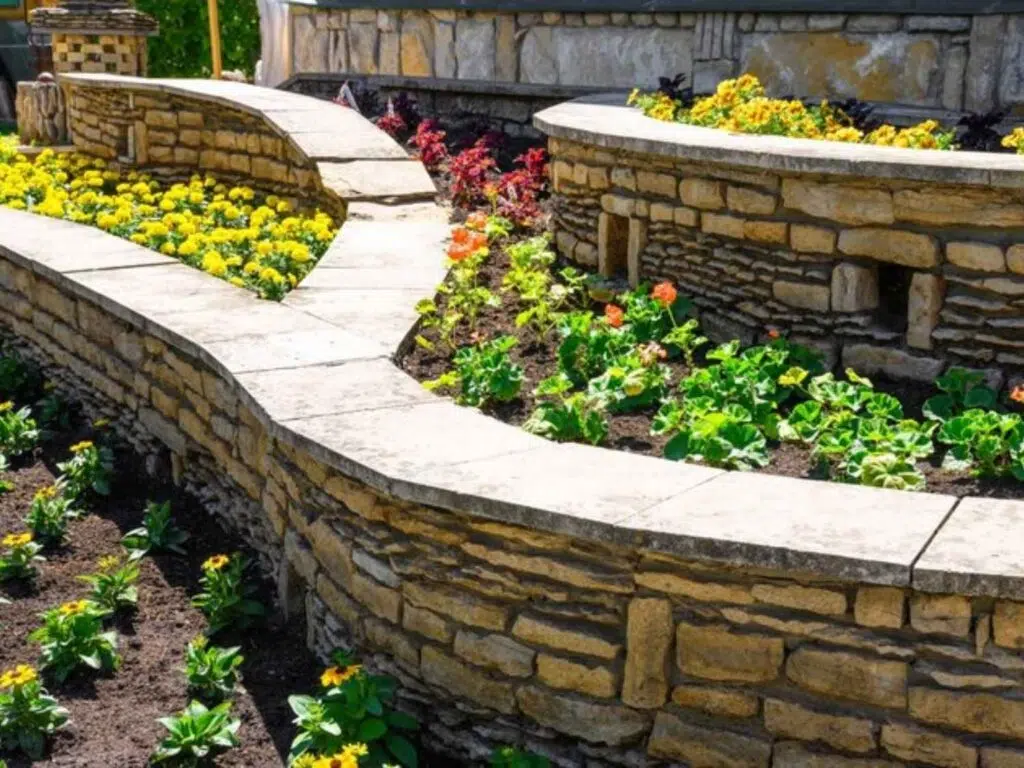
[(113, 717), (631, 432)]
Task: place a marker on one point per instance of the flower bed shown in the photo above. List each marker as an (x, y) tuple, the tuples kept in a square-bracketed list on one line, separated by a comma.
[(253, 241), (572, 357), (741, 106)]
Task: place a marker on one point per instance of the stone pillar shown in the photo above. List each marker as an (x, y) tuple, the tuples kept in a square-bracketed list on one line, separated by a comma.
[(106, 36), (42, 118)]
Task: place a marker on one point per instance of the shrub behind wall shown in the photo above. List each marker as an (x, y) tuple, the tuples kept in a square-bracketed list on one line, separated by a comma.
[(183, 47)]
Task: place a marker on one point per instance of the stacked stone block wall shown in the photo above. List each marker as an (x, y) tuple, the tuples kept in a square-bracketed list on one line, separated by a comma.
[(919, 61), (117, 54), (593, 653), (810, 254), (175, 135)]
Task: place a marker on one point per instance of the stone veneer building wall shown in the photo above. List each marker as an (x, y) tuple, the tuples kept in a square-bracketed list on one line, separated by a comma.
[(918, 55), (904, 261), (601, 608)]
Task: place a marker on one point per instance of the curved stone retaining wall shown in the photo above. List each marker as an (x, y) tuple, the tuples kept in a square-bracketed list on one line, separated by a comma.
[(902, 260), (602, 608)]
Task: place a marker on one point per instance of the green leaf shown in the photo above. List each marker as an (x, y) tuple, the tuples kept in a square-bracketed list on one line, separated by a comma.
[(402, 749), (372, 729)]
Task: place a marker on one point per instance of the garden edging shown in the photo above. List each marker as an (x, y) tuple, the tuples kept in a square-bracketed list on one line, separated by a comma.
[(557, 579)]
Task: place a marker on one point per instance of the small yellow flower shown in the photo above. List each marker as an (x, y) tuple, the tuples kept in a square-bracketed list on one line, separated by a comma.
[(49, 492), (20, 675), (216, 562), (6, 406), (108, 563), (17, 539), (334, 676), (81, 447), (74, 608)]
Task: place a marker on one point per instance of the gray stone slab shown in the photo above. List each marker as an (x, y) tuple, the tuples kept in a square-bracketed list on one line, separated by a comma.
[(353, 145), (849, 532), (253, 321), (404, 243), (380, 315), (977, 552), (605, 121), (322, 390), (422, 212), (381, 180), (293, 350), (621, 57), (572, 489), (422, 279), (384, 447)]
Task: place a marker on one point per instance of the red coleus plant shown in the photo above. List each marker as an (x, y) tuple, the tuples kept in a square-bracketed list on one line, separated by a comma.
[(429, 141), (470, 172), (392, 124)]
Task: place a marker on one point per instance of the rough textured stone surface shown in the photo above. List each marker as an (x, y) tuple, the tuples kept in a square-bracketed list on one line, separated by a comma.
[(916, 744), (715, 653), (716, 701), (941, 614), (675, 739), (970, 712), (911, 249), (596, 723), (792, 721), (848, 676), (810, 599), (854, 288), (926, 295), (880, 607), (462, 680), (648, 641), (847, 205)]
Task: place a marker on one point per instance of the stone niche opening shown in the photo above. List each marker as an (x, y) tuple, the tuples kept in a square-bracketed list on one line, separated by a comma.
[(894, 282), (613, 245)]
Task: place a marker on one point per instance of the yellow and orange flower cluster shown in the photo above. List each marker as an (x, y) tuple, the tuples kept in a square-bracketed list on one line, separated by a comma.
[(741, 106), (216, 562), (230, 232), (347, 758), (20, 675), (13, 540), (335, 676), (465, 243)]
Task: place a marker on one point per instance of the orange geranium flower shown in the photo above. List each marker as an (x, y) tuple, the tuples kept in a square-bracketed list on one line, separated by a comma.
[(614, 315), (1017, 395), (477, 220), (465, 243), (773, 334), (665, 294)]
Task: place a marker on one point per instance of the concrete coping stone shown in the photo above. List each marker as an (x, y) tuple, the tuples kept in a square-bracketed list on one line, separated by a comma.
[(606, 121), (318, 370)]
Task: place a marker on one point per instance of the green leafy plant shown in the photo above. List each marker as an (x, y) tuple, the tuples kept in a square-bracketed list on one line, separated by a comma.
[(88, 469), (884, 470), (158, 533), (113, 585), (18, 431), (72, 636), (49, 514), (511, 757), (962, 390), (721, 438), (588, 348), (6, 486), (211, 671), (631, 382), (567, 418), (354, 707), (687, 339), (182, 49), (225, 598), (987, 443), (19, 380), (19, 559), (52, 410), (28, 714), (483, 374), (196, 734)]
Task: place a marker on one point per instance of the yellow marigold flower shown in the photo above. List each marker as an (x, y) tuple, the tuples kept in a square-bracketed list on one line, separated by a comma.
[(216, 562), (20, 675), (6, 406), (347, 758), (108, 563), (81, 447), (168, 248), (271, 275), (49, 492), (334, 676), (237, 281), (264, 248), (74, 608), (251, 268), (17, 539)]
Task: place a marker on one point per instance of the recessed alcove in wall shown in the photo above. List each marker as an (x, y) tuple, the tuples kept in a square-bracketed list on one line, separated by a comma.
[(613, 245), (893, 296)]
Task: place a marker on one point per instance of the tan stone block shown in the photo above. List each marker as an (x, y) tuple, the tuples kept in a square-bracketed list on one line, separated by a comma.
[(792, 754), (452, 675), (657, 183), (997, 757), (704, 591), (417, 45), (686, 217), (1008, 624), (716, 701), (384, 637), (1015, 259), (339, 603), (773, 232), (700, 746), (911, 249), (426, 623), (580, 174), (458, 605), (811, 599), (918, 745), (847, 205), (157, 118), (792, 721), (719, 224), (970, 712), (705, 194), (356, 498), (332, 551), (597, 178), (567, 675), (743, 200), (190, 119), (880, 682), (802, 295), (977, 256), (414, 523), (940, 614), (661, 212), (648, 642), (570, 715), (804, 238), (924, 305), (495, 652), (619, 206), (624, 177), (948, 208), (541, 632), (568, 572), (186, 156), (166, 404), (382, 601), (717, 653), (854, 288), (880, 607)]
